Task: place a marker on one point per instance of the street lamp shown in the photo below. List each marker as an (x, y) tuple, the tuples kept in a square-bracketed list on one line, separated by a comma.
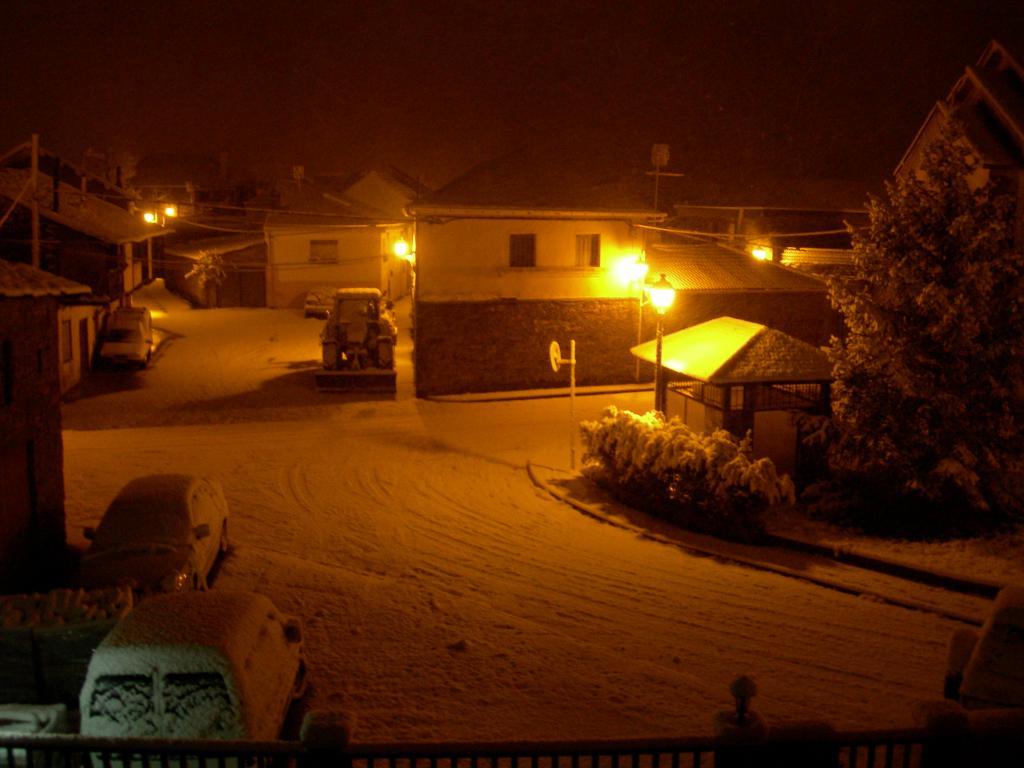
[(662, 294)]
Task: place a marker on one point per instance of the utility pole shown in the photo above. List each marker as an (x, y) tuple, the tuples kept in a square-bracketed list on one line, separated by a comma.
[(35, 201)]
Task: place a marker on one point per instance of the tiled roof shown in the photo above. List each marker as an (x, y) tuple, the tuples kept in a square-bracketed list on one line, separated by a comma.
[(727, 350), (550, 177), (79, 211), (18, 280), (710, 267)]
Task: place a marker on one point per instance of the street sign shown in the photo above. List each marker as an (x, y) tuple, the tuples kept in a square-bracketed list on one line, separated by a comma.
[(555, 353)]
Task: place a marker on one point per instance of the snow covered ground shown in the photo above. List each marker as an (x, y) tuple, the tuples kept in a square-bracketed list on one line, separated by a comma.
[(443, 595)]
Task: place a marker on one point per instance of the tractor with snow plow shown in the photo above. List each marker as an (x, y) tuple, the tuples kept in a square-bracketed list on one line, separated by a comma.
[(357, 343)]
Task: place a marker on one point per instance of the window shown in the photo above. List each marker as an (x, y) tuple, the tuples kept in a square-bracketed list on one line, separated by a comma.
[(588, 250), (323, 251), (66, 352), (197, 705), (120, 702), (522, 250), (6, 372)]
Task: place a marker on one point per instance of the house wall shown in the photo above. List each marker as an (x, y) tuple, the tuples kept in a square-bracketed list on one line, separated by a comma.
[(468, 260), (32, 535), (291, 274), (77, 328)]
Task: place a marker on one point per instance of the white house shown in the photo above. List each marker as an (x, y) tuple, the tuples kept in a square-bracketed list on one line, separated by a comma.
[(343, 237), (513, 256)]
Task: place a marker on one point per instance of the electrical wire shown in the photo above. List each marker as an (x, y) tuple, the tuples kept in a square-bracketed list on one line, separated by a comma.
[(16, 200), (726, 235)]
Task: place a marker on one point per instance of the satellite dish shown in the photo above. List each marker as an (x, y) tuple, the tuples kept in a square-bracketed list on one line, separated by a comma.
[(555, 353)]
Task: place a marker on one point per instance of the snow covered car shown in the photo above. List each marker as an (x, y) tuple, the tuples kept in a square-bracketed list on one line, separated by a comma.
[(128, 337), (319, 301), (162, 533), (986, 668), (198, 665), (30, 720)]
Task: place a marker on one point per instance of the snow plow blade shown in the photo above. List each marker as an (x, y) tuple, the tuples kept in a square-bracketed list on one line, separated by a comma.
[(366, 380)]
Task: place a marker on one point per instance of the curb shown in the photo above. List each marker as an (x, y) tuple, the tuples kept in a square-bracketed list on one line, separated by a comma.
[(898, 570), (947, 581), (544, 394)]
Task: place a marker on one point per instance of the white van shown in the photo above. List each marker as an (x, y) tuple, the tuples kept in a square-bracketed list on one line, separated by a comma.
[(128, 337), (195, 665)]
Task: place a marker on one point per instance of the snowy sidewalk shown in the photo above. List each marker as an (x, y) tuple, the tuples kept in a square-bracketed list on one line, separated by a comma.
[(952, 597)]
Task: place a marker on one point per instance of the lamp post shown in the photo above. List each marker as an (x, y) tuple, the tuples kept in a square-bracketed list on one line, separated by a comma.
[(662, 294)]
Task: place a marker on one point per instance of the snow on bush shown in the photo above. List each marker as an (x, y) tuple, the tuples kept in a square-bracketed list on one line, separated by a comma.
[(64, 606), (708, 483)]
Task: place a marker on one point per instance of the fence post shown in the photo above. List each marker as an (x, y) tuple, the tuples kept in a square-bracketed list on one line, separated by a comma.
[(741, 730), (326, 736)]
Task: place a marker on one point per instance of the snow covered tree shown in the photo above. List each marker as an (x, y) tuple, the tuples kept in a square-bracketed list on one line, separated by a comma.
[(208, 269), (929, 392)]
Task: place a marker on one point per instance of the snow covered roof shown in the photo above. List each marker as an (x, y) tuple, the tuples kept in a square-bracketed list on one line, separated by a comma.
[(220, 619), (728, 350), (17, 280), (710, 267), (79, 211), (988, 100)]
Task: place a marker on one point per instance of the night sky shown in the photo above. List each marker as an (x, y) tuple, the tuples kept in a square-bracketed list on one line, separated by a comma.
[(819, 88)]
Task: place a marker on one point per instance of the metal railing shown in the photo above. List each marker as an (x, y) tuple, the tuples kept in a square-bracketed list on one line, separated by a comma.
[(793, 748), (902, 749)]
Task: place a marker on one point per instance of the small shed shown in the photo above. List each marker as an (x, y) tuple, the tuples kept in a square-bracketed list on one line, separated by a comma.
[(741, 376)]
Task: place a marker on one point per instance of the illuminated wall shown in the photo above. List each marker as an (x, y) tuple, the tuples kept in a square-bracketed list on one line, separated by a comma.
[(468, 260), (291, 273)]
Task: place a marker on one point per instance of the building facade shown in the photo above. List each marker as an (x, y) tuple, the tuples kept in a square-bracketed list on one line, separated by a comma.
[(32, 535)]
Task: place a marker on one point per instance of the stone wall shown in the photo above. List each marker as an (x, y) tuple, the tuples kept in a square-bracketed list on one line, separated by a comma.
[(31, 448), (490, 346)]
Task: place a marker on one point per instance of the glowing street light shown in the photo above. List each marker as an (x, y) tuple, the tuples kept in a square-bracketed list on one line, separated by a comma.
[(149, 217), (662, 294), (761, 253), (401, 249)]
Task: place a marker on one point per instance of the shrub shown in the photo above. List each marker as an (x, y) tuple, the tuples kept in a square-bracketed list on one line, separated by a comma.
[(707, 483)]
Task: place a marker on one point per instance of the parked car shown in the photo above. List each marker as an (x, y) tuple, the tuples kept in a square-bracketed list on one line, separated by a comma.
[(30, 720), (128, 337), (986, 668), (209, 665), (162, 533), (319, 301)]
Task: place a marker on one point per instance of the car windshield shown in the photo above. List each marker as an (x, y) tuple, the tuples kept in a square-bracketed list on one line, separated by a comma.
[(135, 524), (123, 334), (197, 705)]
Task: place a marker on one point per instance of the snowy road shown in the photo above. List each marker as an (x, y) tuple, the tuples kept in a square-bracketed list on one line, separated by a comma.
[(444, 596)]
